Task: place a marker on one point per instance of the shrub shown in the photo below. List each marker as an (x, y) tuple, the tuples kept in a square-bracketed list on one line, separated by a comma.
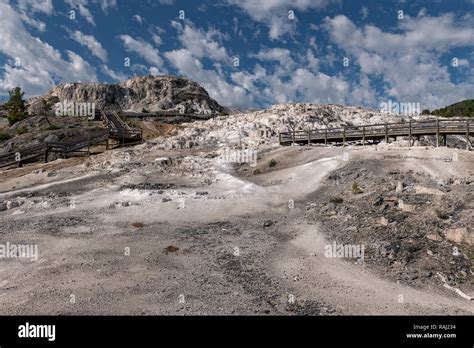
[(336, 200), (21, 130), (53, 127), (272, 163), (138, 224), (257, 171), (4, 136), (356, 189), (145, 111)]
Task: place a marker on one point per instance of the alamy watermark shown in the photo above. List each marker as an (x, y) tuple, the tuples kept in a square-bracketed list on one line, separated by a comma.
[(239, 156), (75, 109), (350, 251), (26, 251), (396, 108)]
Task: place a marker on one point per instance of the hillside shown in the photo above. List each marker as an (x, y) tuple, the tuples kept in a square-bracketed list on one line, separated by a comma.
[(463, 108)]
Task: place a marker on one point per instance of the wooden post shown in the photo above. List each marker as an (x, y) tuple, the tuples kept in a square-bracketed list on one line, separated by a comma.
[(279, 138), (363, 135), (293, 137), (386, 133), (437, 132), (467, 135), (326, 136), (344, 136), (409, 132), (309, 138), (107, 144), (46, 153)]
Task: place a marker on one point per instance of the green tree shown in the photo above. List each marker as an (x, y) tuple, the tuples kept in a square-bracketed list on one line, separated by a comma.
[(15, 106), (46, 107)]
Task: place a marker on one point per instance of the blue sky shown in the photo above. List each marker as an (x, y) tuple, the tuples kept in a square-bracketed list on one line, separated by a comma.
[(248, 53)]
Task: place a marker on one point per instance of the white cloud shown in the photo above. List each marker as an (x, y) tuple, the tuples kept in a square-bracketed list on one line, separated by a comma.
[(281, 55), (144, 50), (213, 81), (83, 10), (289, 83), (202, 43), (154, 71), (41, 64), (34, 23), (274, 13), (91, 44), (44, 6), (408, 61), (105, 5), (137, 18), (114, 75)]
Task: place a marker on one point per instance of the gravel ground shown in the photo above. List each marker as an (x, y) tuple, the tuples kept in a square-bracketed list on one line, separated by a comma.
[(144, 231)]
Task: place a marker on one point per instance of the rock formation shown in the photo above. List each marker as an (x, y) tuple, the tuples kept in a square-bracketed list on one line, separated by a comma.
[(138, 94)]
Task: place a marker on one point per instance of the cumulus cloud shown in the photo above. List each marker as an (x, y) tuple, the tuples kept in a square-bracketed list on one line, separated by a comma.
[(213, 80), (40, 64), (202, 43), (409, 60), (274, 13), (144, 50), (114, 75), (44, 6), (91, 44), (81, 5)]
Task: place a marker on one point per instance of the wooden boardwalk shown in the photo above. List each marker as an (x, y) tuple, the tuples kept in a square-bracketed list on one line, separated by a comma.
[(117, 130), (374, 133), (43, 150)]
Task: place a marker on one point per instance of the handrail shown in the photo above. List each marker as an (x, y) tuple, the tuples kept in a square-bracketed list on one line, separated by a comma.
[(434, 126)]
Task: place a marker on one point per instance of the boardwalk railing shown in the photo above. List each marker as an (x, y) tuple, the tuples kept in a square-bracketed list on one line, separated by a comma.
[(376, 132), (44, 149), (175, 113), (117, 129)]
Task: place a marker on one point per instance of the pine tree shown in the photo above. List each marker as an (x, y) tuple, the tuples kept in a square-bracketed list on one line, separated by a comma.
[(15, 106)]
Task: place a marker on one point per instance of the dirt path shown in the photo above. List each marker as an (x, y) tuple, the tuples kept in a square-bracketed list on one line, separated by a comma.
[(351, 288)]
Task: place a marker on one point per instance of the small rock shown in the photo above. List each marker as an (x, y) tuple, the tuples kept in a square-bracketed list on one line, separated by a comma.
[(3, 206), (383, 221), (405, 207), (433, 236), (460, 235), (267, 223), (378, 201), (12, 204), (427, 274), (399, 187)]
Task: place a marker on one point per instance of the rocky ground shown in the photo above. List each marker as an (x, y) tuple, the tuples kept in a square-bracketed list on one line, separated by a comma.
[(214, 217), (159, 230)]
